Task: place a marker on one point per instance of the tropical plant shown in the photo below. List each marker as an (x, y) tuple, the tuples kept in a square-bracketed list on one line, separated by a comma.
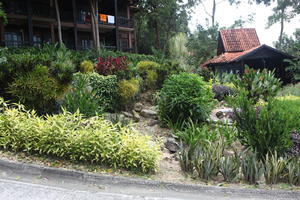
[(82, 98), (265, 129), (258, 84), (293, 171), (110, 65)]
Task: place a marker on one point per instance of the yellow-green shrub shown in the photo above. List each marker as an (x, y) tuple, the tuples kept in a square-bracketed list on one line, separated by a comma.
[(86, 66), (148, 71), (128, 89), (36, 89), (72, 137), (143, 66)]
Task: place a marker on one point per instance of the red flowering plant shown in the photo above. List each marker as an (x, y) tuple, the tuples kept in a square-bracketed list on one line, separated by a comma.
[(110, 65)]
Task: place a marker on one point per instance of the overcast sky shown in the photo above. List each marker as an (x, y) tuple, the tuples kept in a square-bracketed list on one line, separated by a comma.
[(226, 15)]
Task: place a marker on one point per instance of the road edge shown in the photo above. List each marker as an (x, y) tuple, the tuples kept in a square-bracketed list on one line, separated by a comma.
[(34, 169)]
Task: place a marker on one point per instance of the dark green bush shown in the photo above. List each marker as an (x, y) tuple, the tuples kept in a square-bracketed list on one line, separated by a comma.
[(72, 137), (185, 96), (264, 129)]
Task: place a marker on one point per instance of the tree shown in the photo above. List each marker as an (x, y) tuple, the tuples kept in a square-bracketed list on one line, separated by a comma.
[(58, 22), (281, 14), (215, 3), (178, 50), (95, 28), (3, 14), (158, 21), (202, 44)]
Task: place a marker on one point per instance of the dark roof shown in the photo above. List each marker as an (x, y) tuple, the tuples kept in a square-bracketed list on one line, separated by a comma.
[(237, 40), (229, 57)]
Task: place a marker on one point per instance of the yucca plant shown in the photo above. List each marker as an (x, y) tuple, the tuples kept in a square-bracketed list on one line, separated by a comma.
[(274, 168), (207, 159), (251, 167), (185, 159), (293, 171), (229, 168)]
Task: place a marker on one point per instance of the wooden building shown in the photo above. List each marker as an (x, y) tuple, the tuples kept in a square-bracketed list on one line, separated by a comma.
[(240, 47), (34, 22)]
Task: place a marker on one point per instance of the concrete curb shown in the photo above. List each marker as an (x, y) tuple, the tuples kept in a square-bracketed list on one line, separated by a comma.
[(33, 169)]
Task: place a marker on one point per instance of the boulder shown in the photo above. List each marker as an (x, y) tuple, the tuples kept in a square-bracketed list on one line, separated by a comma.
[(148, 113), (127, 114), (153, 122), (172, 145), (138, 107), (136, 116)]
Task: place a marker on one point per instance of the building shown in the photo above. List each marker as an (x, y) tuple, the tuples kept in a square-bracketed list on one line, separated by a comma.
[(33, 22), (240, 47)]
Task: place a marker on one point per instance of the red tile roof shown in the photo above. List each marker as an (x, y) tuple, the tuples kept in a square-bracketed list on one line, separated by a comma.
[(236, 40), (228, 57)]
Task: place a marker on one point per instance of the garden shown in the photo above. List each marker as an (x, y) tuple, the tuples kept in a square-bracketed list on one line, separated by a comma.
[(140, 113)]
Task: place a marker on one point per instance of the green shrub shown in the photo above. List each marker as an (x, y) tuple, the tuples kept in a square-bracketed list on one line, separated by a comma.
[(36, 89), (105, 90), (265, 129), (82, 97), (258, 84), (128, 90), (86, 66), (185, 96), (72, 137)]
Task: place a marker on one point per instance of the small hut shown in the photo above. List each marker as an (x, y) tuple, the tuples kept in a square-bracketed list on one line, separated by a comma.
[(240, 47)]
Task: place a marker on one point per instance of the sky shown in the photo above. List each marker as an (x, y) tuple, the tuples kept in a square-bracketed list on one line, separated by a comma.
[(227, 14)]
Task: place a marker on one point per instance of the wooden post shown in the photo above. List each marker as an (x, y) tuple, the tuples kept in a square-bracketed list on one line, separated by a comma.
[(117, 25), (29, 21), (58, 22), (2, 43), (52, 33), (75, 18)]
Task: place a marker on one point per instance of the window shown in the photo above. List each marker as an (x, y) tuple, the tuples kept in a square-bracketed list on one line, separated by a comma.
[(37, 40), (86, 44), (13, 39)]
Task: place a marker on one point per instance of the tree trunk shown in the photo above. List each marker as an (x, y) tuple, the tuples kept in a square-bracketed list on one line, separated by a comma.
[(281, 27), (94, 19), (213, 13), (58, 22)]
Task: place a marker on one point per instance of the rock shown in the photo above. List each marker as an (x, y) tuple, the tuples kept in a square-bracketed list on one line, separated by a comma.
[(172, 145), (148, 113), (138, 107), (224, 115), (153, 122), (136, 116), (127, 114), (295, 149)]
